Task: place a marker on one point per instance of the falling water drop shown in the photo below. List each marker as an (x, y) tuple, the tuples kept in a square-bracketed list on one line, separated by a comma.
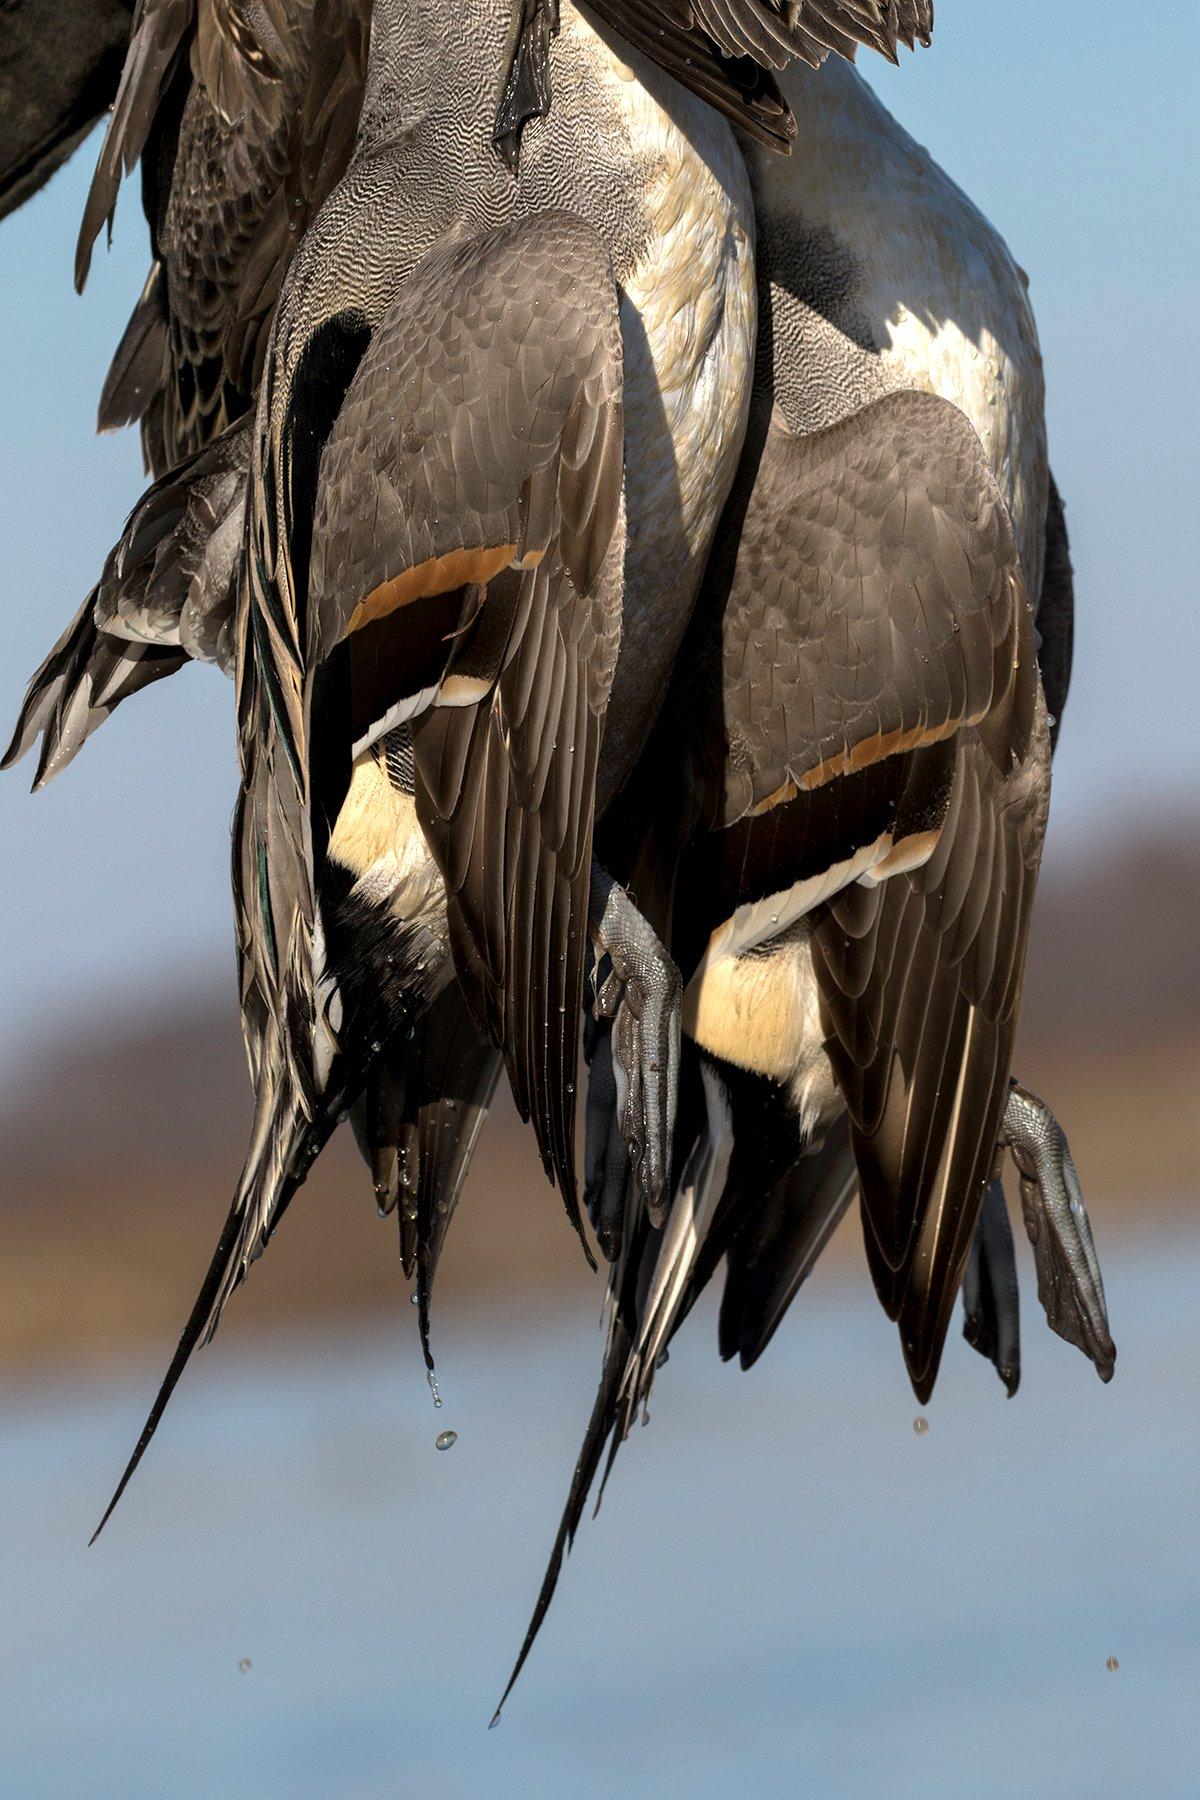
[(1112, 1665), (245, 1666), (445, 1440), (921, 1426)]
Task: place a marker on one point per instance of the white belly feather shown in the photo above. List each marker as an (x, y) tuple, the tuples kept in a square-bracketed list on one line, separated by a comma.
[(689, 317)]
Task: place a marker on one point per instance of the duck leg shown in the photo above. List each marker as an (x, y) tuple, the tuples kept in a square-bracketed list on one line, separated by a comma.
[(990, 1297), (526, 91), (1070, 1286), (639, 990)]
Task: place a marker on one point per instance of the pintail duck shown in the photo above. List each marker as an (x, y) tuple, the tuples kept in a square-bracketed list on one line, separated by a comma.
[(837, 824), (448, 598)]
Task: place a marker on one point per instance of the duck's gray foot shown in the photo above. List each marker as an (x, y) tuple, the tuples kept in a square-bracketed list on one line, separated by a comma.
[(1070, 1286), (639, 990), (992, 1322)]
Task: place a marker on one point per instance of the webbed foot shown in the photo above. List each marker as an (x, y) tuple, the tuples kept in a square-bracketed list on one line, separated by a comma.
[(1070, 1286)]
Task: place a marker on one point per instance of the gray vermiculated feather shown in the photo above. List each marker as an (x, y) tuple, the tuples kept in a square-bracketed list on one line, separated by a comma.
[(907, 702)]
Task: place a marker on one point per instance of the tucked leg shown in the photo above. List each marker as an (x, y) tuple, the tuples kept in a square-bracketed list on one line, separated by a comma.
[(642, 995), (1070, 1286)]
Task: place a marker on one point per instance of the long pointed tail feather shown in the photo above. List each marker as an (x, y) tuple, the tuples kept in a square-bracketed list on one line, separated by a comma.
[(283, 1148)]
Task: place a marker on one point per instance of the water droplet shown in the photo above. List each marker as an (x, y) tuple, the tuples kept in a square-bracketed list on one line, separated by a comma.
[(245, 1665), (920, 1425), (1112, 1665), (414, 1299), (431, 1378), (445, 1440)]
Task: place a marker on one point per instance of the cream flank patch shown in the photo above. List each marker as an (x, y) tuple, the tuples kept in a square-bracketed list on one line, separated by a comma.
[(759, 1011), (377, 821), (754, 1011)]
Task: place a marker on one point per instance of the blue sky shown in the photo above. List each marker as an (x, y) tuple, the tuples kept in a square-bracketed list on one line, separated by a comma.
[(1075, 132)]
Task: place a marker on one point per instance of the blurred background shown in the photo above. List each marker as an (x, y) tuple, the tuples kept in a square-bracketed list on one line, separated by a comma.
[(789, 1590)]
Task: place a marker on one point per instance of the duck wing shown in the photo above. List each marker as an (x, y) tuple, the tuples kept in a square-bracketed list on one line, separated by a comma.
[(728, 50), (873, 755), (167, 596), (465, 575), (243, 120)]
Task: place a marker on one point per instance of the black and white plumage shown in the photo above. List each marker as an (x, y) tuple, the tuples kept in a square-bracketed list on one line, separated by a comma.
[(866, 745), (464, 577)]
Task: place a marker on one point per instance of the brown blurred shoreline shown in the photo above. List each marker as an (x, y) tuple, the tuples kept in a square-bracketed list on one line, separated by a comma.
[(120, 1143)]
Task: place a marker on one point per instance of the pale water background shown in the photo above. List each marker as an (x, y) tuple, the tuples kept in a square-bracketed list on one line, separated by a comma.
[(788, 1592)]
